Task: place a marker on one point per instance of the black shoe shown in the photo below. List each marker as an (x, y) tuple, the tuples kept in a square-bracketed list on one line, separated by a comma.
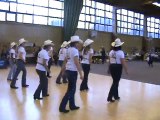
[(46, 95), (58, 82), (74, 108), (118, 98), (63, 110), (37, 98), (110, 100), (9, 79), (13, 87), (25, 85), (49, 76)]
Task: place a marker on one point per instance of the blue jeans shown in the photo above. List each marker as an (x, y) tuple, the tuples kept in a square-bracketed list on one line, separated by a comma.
[(43, 84), (69, 96), (116, 72), (86, 69), (12, 69), (20, 67)]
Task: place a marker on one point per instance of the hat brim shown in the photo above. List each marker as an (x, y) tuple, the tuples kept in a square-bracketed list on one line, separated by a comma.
[(23, 42), (114, 45), (80, 41), (88, 44), (51, 44), (13, 45)]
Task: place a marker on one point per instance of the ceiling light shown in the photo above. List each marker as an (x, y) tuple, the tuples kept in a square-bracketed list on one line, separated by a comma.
[(157, 4)]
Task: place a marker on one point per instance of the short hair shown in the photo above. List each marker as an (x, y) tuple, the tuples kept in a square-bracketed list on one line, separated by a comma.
[(117, 48), (72, 44)]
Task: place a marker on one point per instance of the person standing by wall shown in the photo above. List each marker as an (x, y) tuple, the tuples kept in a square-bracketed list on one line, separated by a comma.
[(21, 59), (103, 55), (117, 61), (50, 53), (62, 56), (41, 69), (72, 67), (87, 54), (150, 60), (12, 60)]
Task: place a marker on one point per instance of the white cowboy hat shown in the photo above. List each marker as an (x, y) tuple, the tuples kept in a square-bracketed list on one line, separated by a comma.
[(22, 40), (13, 44), (64, 44), (88, 42), (75, 39), (117, 43), (68, 42), (48, 42)]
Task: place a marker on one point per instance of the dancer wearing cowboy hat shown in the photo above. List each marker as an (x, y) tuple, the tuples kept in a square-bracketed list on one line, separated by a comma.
[(42, 69), (72, 67), (21, 59), (62, 55), (117, 61), (87, 54), (12, 60)]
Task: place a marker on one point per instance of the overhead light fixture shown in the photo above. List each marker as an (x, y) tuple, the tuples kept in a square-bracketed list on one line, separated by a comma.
[(156, 3)]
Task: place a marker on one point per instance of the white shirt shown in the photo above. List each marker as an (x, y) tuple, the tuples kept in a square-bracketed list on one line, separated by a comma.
[(50, 52), (12, 51), (72, 52), (22, 51), (43, 54), (86, 57), (62, 54), (115, 56)]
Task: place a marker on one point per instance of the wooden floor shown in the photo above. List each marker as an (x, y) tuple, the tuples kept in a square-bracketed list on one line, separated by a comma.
[(139, 101)]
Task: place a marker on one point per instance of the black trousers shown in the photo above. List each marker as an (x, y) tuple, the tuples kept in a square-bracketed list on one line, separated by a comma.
[(58, 80), (84, 84), (69, 96), (116, 72), (43, 84), (20, 67), (49, 65)]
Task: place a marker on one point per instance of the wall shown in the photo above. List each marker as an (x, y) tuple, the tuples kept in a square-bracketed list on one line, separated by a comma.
[(10, 32)]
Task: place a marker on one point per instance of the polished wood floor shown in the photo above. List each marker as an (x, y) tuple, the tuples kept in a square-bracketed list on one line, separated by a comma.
[(139, 101)]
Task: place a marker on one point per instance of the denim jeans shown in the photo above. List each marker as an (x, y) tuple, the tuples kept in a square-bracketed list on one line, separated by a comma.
[(43, 84), (12, 69), (86, 69), (69, 96), (116, 72), (20, 67)]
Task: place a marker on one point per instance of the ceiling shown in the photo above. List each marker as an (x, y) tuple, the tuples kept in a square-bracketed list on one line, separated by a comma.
[(141, 6)]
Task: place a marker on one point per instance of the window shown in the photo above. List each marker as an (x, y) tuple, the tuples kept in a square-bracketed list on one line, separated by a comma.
[(3, 16), (81, 24), (24, 18), (55, 13), (11, 17), (41, 3), (55, 22), (40, 20), (25, 8), (129, 22), (96, 16), (13, 7), (40, 11), (4, 6), (153, 27), (26, 1), (56, 4)]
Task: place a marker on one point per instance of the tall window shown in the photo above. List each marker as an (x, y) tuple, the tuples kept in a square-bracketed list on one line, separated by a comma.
[(96, 16), (129, 22), (45, 12), (153, 27)]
